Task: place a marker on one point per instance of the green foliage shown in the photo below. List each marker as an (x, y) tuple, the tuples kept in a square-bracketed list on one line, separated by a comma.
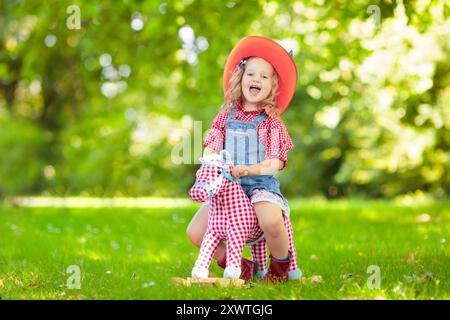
[(370, 115), (21, 166)]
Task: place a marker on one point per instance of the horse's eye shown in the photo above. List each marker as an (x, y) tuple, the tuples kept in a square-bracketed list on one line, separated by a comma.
[(219, 171)]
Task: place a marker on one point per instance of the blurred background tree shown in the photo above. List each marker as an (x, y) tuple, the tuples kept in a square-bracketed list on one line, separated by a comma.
[(99, 110)]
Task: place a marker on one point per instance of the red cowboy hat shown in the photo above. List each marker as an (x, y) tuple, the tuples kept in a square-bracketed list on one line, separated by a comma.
[(276, 55)]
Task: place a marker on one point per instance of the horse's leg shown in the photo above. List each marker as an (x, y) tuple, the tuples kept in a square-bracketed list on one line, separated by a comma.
[(235, 246), (259, 254), (294, 271), (207, 249)]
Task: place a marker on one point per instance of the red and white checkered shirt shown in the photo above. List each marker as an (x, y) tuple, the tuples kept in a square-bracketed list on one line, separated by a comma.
[(271, 132)]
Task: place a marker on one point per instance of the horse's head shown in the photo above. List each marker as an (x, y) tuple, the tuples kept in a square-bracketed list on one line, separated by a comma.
[(212, 176)]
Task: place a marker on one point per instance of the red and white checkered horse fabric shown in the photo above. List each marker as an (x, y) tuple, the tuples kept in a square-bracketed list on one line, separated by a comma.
[(231, 218)]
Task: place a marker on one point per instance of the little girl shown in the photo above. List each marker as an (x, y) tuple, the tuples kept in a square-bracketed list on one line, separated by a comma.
[(259, 81)]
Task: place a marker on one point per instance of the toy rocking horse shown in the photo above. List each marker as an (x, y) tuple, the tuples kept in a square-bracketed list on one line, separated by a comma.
[(231, 218)]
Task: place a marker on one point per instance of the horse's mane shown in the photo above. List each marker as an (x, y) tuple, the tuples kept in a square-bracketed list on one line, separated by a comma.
[(212, 156)]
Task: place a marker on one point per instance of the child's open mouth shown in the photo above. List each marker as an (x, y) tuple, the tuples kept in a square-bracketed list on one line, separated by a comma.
[(254, 90)]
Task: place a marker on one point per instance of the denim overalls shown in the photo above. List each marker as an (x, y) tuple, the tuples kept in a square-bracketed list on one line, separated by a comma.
[(242, 142)]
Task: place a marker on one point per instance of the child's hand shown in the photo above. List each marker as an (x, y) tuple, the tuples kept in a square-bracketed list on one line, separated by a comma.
[(240, 171)]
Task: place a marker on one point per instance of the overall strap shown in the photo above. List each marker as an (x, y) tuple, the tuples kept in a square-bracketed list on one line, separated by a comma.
[(232, 114), (260, 118)]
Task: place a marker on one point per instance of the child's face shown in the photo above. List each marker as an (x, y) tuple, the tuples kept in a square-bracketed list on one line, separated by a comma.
[(257, 80)]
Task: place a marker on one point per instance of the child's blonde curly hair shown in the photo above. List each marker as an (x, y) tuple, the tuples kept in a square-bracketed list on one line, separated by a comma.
[(234, 96)]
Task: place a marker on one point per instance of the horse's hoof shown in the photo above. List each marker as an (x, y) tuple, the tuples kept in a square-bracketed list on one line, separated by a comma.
[(232, 273), (295, 274), (199, 273)]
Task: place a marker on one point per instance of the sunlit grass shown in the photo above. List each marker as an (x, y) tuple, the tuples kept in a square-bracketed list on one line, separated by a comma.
[(91, 202), (132, 253)]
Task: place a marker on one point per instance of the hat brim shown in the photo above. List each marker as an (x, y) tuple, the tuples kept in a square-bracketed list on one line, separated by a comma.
[(276, 55)]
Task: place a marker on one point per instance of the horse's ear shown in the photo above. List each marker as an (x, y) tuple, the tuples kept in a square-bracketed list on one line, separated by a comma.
[(201, 160), (226, 157)]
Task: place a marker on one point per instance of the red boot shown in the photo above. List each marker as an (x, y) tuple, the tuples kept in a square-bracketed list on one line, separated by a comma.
[(248, 268), (278, 271)]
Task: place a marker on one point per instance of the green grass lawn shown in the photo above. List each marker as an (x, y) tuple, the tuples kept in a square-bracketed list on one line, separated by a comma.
[(133, 253)]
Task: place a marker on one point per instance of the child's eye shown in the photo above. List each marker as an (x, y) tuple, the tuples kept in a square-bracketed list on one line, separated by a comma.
[(250, 74)]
